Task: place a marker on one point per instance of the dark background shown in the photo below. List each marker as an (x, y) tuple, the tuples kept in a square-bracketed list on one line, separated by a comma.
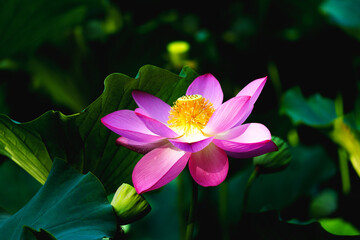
[(50, 59)]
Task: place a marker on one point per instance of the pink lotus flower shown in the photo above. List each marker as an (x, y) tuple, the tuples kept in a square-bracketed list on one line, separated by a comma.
[(199, 129)]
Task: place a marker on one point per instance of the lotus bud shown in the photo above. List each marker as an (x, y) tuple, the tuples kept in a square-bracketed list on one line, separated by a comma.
[(128, 205), (274, 161)]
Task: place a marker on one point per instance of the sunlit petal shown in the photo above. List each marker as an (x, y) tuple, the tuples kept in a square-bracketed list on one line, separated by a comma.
[(158, 167), (191, 146), (210, 166), (227, 115), (209, 87), (157, 127), (254, 136), (268, 147), (154, 106), (253, 89), (140, 147), (127, 124)]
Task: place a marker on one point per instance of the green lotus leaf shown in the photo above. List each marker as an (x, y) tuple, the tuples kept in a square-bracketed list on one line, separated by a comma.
[(31, 234), (68, 206)]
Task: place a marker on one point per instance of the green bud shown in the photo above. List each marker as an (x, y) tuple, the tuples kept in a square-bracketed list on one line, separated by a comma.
[(128, 205), (274, 161)]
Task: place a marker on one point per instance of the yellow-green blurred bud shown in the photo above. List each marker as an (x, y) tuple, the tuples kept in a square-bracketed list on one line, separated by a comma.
[(178, 53), (128, 205), (113, 22)]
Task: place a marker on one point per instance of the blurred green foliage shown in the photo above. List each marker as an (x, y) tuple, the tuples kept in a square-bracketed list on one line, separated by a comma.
[(24, 26), (344, 13), (338, 226), (316, 111)]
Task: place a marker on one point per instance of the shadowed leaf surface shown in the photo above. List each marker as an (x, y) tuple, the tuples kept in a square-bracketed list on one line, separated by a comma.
[(69, 206)]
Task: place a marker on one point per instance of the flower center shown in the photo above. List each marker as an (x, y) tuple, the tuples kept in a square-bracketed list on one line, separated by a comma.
[(190, 114)]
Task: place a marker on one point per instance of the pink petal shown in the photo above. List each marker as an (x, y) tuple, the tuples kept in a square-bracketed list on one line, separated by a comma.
[(209, 87), (158, 167), (154, 106), (231, 146), (247, 133), (210, 166), (268, 147), (232, 132), (142, 111), (246, 115), (127, 124), (193, 146), (140, 147), (227, 115), (253, 89), (255, 132), (157, 127), (254, 136)]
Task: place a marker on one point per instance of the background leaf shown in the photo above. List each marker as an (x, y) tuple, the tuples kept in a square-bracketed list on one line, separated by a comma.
[(69, 206), (81, 139), (315, 111), (269, 225), (344, 13), (59, 85), (338, 226), (309, 167), (25, 25)]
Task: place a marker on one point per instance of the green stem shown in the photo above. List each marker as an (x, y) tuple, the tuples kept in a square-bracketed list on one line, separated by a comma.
[(274, 76), (344, 171), (249, 183), (223, 209), (192, 212), (181, 205)]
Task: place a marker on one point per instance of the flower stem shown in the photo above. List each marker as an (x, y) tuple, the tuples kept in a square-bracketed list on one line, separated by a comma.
[(181, 205), (223, 209), (249, 183), (344, 171), (192, 211)]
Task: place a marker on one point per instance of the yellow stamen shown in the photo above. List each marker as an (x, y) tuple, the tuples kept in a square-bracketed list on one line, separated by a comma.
[(190, 114)]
